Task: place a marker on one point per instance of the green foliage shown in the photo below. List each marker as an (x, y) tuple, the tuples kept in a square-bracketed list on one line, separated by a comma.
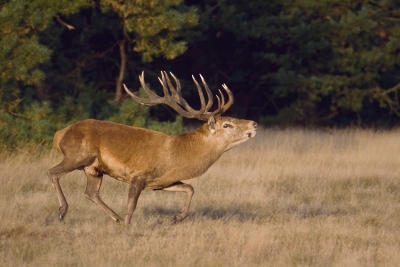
[(173, 128), (20, 50), (155, 25), (35, 125), (45, 43), (134, 114), (57, 59), (131, 113)]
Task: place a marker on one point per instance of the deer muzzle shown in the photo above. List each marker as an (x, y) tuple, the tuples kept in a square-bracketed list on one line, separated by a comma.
[(254, 131)]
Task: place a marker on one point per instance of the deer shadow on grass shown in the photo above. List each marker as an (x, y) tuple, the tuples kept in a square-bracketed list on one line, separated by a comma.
[(209, 213)]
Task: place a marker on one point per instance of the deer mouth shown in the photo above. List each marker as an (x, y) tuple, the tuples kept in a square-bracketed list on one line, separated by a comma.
[(251, 134)]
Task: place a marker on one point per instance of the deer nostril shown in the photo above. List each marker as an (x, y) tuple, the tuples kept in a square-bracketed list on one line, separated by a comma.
[(255, 124)]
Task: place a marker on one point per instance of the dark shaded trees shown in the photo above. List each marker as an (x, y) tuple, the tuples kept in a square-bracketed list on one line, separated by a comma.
[(60, 38), (63, 61), (297, 62), (306, 62)]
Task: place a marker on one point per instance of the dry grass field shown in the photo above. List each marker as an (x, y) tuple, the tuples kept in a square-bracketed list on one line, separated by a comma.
[(285, 198)]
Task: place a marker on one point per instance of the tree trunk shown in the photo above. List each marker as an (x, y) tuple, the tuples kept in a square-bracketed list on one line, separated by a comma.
[(118, 89), (41, 91)]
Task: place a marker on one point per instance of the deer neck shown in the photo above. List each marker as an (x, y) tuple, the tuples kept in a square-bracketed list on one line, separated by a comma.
[(200, 144)]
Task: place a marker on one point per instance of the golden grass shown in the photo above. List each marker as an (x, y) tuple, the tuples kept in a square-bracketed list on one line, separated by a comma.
[(286, 198)]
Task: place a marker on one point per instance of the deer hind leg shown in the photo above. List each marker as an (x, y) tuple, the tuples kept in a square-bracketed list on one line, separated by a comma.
[(94, 180), (182, 187), (55, 174)]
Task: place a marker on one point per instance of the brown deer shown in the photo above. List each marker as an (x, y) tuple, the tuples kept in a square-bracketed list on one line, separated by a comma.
[(147, 159)]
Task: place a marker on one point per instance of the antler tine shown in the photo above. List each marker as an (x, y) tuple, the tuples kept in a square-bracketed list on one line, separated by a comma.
[(204, 107), (218, 110), (178, 84), (152, 99), (221, 103), (226, 106), (164, 84), (209, 94), (145, 88), (176, 93), (222, 98)]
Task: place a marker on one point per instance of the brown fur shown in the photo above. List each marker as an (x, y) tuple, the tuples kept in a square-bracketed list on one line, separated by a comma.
[(143, 158)]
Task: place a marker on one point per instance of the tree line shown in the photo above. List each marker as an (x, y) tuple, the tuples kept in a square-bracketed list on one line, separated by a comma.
[(298, 62)]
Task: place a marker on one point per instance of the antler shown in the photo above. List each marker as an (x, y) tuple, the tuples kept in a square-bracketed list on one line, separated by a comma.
[(173, 98)]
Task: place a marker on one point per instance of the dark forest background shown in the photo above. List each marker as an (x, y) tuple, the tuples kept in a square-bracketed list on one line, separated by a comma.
[(330, 63)]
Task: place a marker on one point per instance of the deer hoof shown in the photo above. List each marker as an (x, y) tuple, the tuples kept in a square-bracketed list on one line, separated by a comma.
[(62, 213), (178, 218)]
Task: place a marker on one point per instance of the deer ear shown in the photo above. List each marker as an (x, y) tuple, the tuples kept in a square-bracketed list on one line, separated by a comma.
[(211, 124)]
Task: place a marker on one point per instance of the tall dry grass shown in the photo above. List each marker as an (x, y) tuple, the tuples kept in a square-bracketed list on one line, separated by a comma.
[(286, 198)]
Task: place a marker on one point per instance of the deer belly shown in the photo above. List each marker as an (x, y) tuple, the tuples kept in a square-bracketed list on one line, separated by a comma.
[(174, 176)]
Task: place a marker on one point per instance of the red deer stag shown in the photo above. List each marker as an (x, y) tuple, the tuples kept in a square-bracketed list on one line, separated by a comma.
[(147, 159)]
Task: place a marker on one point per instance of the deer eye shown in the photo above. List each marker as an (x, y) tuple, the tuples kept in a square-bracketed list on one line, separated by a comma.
[(226, 125)]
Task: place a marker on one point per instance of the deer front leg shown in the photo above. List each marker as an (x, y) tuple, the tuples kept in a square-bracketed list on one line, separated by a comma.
[(94, 180), (135, 188), (182, 187)]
